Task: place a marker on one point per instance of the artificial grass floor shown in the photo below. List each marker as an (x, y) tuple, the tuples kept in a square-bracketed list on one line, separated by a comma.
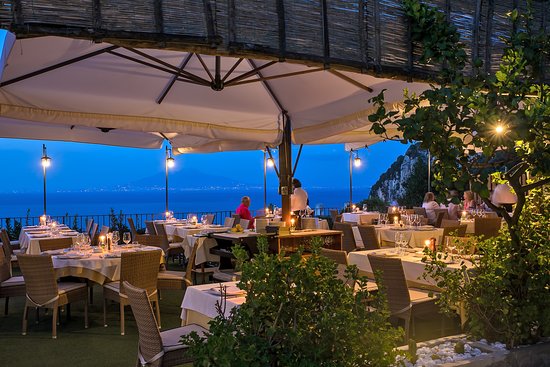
[(75, 345)]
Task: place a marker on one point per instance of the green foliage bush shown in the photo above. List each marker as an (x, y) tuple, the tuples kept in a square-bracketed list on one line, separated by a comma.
[(507, 294), (298, 313)]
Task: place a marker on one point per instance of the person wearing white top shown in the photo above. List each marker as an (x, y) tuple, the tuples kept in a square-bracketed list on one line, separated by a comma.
[(298, 199), (430, 205)]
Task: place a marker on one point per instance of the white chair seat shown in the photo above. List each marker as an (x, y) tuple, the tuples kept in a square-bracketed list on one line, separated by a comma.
[(171, 338), (171, 275), (176, 244), (64, 287), (13, 281)]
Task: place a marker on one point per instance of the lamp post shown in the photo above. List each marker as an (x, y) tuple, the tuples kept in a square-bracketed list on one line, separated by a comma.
[(353, 161), (268, 162), (169, 163), (46, 162)]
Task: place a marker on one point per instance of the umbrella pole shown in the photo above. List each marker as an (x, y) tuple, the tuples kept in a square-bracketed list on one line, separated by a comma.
[(285, 167)]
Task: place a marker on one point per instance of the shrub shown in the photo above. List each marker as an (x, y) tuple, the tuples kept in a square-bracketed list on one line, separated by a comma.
[(297, 313)]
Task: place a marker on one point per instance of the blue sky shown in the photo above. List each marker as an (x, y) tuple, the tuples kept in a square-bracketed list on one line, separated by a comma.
[(77, 166)]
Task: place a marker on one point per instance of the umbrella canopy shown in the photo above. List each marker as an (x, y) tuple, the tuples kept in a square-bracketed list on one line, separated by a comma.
[(59, 88)]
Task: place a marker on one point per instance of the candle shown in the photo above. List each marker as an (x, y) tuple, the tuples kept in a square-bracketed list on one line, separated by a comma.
[(43, 220), (395, 219), (102, 240), (393, 209), (427, 243), (292, 221), (464, 214), (195, 219), (167, 215)]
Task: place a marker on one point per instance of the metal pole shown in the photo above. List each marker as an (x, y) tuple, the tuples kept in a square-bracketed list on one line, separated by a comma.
[(166, 170), (265, 180), (350, 178), (44, 170), (285, 169), (429, 172)]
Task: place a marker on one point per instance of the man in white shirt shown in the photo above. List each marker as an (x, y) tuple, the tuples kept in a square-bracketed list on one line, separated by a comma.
[(298, 200)]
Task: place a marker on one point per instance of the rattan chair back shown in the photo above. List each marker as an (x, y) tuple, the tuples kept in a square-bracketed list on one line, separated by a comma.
[(210, 218), (104, 230), (228, 222), (339, 256), (236, 218), (348, 240), (133, 229), (39, 278), (393, 280), (440, 214), (5, 266), (449, 223), (369, 237), (140, 269), (55, 243), (150, 225), (335, 216), (244, 223), (420, 211), (93, 231), (150, 342), (89, 223), (6, 243), (161, 232), (151, 240), (487, 227)]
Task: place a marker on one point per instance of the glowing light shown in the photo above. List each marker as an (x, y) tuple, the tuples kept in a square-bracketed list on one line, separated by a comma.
[(270, 162), (170, 162), (499, 129), (357, 161)]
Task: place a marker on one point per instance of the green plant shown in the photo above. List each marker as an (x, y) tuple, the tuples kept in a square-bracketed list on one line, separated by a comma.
[(297, 313), (117, 222), (241, 255), (13, 230), (506, 294)]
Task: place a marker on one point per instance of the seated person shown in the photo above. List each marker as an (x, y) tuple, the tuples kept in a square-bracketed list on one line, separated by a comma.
[(469, 202), (298, 199), (244, 212), (453, 206), (430, 205)]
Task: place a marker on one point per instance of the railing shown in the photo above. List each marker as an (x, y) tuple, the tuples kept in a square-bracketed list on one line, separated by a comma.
[(78, 222)]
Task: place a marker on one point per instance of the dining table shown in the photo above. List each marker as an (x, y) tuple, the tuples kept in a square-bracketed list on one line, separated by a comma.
[(415, 236), (360, 217), (93, 264), (31, 236), (202, 303)]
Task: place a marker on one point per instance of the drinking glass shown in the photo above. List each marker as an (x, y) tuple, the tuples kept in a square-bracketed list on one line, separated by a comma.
[(451, 247), (365, 207), (126, 237), (204, 219), (115, 238)]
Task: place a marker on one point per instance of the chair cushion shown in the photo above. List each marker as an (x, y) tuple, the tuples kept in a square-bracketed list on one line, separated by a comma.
[(171, 338), (171, 275), (176, 244), (64, 287), (13, 282), (419, 295), (114, 286)]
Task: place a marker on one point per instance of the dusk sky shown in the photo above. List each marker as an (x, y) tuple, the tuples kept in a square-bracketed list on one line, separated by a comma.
[(77, 166)]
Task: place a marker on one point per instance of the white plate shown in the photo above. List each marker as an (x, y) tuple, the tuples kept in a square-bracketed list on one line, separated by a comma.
[(229, 290)]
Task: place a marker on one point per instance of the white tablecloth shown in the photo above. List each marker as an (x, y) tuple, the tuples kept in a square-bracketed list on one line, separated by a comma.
[(412, 265), (415, 237), (201, 299), (98, 267), (360, 217), (203, 250), (30, 237)]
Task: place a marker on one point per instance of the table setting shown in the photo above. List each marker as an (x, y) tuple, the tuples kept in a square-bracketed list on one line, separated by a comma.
[(30, 236)]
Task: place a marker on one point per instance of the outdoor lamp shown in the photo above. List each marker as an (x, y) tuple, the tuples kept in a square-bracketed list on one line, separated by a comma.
[(270, 162), (357, 160), (46, 162), (503, 195), (170, 163)]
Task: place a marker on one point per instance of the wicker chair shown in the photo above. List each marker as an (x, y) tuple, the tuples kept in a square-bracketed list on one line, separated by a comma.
[(89, 224), (139, 268), (404, 303), (348, 241), (156, 348), (228, 222), (440, 214), (210, 218), (335, 216), (93, 232), (9, 286), (456, 231), (420, 211), (170, 248), (104, 230), (42, 289), (244, 223), (168, 279), (487, 227), (341, 258), (55, 243), (9, 252), (449, 223), (236, 218), (133, 229), (150, 225), (369, 237)]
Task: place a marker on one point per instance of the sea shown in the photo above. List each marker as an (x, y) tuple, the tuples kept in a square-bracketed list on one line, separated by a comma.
[(153, 201)]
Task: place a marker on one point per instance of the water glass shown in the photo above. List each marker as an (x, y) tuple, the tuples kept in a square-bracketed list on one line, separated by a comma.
[(126, 237), (365, 207), (115, 238)]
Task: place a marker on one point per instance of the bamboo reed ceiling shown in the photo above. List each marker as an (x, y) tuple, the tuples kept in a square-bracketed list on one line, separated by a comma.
[(359, 35)]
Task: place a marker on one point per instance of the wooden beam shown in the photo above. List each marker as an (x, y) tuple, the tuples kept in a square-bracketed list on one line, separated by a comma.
[(326, 38), (285, 176), (96, 14), (232, 69), (205, 67), (350, 80), (57, 66), (297, 160)]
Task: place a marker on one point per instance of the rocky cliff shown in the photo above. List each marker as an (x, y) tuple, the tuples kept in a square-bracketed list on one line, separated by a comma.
[(405, 181)]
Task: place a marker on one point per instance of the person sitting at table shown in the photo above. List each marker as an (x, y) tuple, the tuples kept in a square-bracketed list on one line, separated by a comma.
[(453, 206), (298, 199), (469, 202), (430, 205), (244, 212)]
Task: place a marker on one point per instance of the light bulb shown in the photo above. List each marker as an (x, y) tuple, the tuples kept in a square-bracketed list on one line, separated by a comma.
[(357, 162), (499, 129), (46, 161), (270, 162), (170, 162)]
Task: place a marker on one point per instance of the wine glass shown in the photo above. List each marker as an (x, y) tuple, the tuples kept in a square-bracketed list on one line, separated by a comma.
[(115, 238), (365, 207), (451, 247), (204, 219), (126, 237)]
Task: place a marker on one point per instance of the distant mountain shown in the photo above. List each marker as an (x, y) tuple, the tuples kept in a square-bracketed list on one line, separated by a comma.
[(405, 182)]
